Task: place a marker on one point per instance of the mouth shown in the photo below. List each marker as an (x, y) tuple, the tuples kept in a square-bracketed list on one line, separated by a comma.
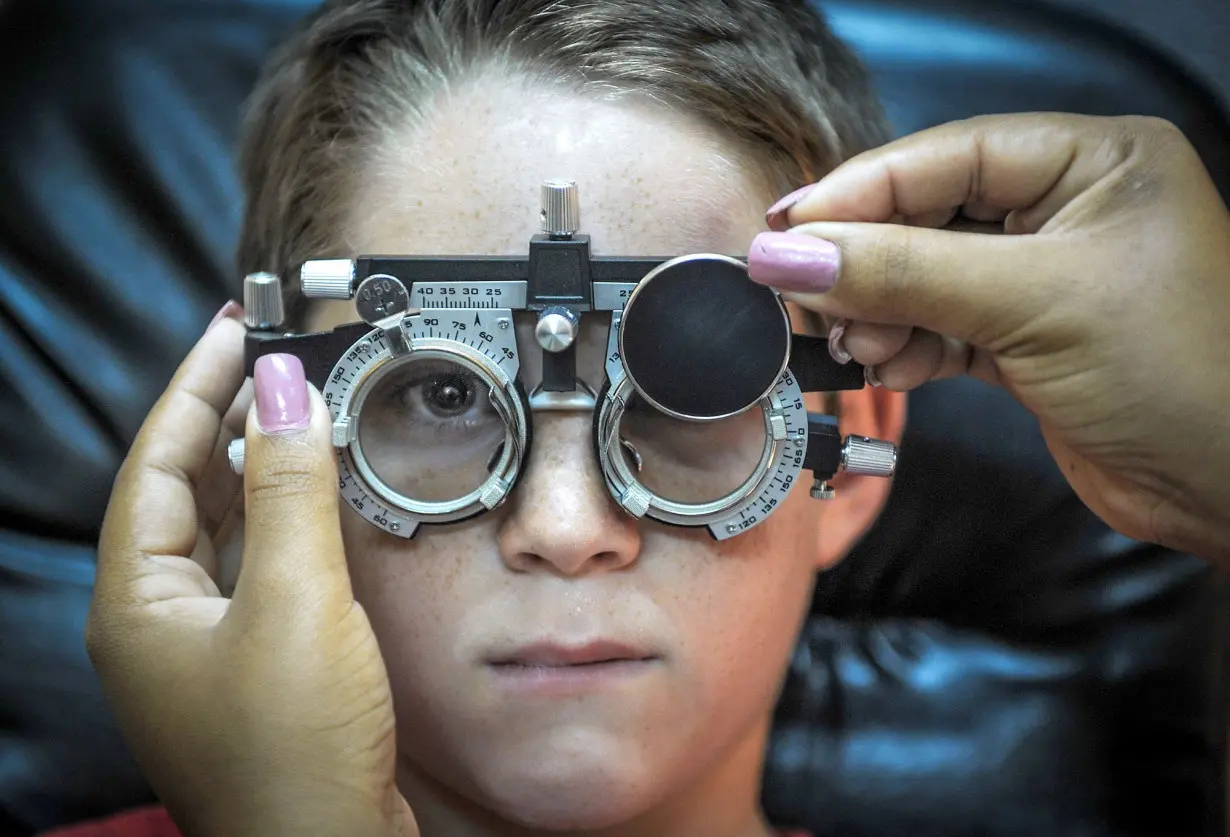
[(549, 655), (552, 670)]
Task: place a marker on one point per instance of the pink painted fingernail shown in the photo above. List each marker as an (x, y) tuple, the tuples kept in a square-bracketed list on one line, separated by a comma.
[(870, 376), (794, 262), (776, 216), (282, 402), (232, 310), (836, 347)]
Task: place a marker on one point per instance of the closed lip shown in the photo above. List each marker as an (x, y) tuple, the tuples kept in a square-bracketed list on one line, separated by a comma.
[(558, 655)]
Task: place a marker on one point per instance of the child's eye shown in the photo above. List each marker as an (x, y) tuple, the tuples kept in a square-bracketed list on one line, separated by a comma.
[(432, 393), (448, 395)]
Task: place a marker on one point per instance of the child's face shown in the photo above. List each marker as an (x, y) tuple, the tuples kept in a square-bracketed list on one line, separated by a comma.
[(560, 564)]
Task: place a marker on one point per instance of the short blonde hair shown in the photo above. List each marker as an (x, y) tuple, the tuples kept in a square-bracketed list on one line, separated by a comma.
[(768, 74)]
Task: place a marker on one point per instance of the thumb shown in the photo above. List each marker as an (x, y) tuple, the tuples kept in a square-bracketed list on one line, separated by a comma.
[(294, 561), (975, 287)]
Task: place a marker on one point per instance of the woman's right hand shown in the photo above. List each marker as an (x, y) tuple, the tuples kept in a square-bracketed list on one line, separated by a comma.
[(1105, 310), (268, 712)]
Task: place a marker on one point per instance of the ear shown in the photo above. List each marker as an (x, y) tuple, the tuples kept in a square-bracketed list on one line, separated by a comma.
[(880, 414)]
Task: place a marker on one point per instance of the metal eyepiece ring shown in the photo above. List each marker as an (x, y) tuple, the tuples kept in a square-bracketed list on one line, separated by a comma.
[(369, 363), (622, 469)]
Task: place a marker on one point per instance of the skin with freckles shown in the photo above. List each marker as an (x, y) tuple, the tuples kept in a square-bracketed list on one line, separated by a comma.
[(677, 745)]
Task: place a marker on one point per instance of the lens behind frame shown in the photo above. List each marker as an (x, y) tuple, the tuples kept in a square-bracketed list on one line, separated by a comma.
[(690, 462), (427, 428)]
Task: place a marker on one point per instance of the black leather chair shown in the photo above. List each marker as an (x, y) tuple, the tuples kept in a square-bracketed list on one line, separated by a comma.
[(990, 661)]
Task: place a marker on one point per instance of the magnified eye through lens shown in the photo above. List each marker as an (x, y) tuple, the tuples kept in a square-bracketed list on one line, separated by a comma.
[(428, 430), (690, 462), (446, 395)]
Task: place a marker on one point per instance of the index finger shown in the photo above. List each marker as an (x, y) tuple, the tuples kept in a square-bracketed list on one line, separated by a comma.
[(1036, 162), (152, 510)]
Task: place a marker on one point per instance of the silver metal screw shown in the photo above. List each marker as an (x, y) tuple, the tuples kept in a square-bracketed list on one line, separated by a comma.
[(556, 329), (821, 490), (235, 455)]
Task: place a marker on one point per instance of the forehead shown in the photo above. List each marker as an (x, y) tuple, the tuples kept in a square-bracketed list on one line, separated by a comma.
[(464, 176)]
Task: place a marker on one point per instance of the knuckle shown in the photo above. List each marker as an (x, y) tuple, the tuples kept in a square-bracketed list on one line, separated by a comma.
[(1153, 142), (1153, 126), (281, 483), (1143, 154), (289, 476)]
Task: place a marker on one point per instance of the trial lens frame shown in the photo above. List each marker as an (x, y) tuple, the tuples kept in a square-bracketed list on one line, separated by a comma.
[(665, 313)]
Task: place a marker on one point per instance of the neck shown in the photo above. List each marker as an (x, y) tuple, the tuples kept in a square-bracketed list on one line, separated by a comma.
[(722, 800)]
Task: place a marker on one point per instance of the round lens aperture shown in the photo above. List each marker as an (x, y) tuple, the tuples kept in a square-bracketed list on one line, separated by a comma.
[(690, 462), (427, 428), (727, 474)]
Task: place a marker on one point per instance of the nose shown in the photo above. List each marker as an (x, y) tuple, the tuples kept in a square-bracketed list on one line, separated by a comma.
[(561, 518)]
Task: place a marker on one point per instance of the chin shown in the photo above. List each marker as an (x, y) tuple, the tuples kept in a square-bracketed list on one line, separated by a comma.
[(575, 780)]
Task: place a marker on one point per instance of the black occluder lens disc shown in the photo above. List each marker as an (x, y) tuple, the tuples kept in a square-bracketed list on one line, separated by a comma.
[(703, 340)]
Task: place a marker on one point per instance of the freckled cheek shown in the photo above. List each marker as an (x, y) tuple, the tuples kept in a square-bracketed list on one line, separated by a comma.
[(415, 592), (736, 601)]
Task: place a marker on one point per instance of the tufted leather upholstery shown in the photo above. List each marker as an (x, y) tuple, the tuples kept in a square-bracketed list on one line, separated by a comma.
[(990, 661)]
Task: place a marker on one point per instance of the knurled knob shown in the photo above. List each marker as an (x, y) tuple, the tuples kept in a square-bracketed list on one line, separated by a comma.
[(561, 207), (871, 457), (234, 455), (262, 301), (821, 490), (327, 279)]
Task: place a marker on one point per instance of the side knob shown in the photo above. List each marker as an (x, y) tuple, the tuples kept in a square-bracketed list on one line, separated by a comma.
[(234, 455), (871, 457), (327, 279)]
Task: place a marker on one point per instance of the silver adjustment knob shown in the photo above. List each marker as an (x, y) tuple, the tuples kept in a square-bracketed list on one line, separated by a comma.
[(327, 279), (262, 301), (234, 455), (871, 457), (556, 329), (561, 207), (821, 490)]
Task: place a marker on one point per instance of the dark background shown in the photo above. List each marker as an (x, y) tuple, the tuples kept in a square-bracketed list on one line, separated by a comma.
[(1196, 33), (1092, 706)]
